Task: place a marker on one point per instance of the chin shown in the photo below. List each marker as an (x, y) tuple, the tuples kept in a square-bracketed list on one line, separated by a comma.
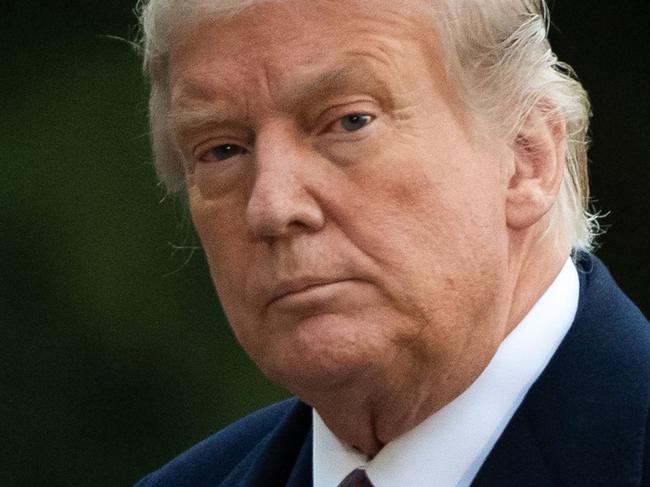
[(322, 354)]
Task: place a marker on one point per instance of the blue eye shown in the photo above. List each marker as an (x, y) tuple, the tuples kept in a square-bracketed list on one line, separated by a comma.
[(225, 151), (355, 121)]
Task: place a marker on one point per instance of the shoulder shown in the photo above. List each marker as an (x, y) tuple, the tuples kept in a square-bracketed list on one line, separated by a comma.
[(584, 422), (608, 322), (605, 358), (589, 409), (598, 290), (213, 459)]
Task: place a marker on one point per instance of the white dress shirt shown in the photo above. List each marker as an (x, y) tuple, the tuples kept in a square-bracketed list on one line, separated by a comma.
[(449, 447)]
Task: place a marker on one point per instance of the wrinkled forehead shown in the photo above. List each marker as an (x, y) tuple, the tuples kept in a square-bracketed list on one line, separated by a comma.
[(315, 26), (290, 43), (168, 20)]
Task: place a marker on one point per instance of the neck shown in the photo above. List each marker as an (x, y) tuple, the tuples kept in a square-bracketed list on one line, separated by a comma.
[(369, 413), (534, 264)]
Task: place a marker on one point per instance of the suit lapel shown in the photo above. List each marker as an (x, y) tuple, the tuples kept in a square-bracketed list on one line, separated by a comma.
[(301, 475), (282, 458), (515, 460)]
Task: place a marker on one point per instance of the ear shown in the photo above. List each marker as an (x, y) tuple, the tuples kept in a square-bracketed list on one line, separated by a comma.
[(539, 156)]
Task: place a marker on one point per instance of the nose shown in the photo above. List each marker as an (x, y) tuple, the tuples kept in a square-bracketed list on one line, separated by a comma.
[(283, 198)]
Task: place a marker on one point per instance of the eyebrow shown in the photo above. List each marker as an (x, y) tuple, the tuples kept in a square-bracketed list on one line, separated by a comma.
[(191, 116), (198, 106), (350, 76)]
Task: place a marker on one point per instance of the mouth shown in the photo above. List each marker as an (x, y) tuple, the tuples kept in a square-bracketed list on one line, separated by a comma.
[(305, 290)]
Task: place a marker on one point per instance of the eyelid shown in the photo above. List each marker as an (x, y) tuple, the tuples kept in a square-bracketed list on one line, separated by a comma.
[(334, 114), (210, 135), (200, 150), (340, 120)]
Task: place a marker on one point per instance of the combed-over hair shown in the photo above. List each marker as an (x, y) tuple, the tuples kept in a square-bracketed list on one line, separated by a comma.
[(496, 51)]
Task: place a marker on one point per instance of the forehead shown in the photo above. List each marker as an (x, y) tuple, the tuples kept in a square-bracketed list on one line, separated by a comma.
[(290, 20), (282, 43)]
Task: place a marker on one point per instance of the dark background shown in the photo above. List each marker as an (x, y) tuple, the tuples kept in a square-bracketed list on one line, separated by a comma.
[(114, 354)]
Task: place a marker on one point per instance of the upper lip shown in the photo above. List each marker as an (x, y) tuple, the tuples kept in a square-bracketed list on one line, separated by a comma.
[(297, 285)]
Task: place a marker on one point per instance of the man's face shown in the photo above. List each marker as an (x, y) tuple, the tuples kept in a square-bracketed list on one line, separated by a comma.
[(352, 228)]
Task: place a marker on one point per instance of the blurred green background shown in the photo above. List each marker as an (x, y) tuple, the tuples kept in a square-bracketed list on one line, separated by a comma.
[(114, 354)]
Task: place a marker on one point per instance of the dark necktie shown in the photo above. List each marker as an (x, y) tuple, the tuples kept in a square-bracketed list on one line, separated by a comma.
[(357, 478)]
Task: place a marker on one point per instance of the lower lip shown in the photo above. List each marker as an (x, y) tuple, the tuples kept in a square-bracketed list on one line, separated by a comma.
[(314, 295)]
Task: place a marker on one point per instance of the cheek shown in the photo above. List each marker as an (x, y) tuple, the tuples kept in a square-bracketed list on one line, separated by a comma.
[(220, 228), (421, 212), (231, 258), (403, 204), (219, 222)]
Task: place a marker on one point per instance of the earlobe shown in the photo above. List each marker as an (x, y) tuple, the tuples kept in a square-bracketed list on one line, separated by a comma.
[(539, 160)]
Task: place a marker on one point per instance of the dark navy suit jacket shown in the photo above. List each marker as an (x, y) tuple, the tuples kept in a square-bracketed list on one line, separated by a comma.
[(584, 423)]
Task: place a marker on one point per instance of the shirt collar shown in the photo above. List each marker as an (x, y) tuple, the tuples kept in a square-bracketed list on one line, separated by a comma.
[(449, 447)]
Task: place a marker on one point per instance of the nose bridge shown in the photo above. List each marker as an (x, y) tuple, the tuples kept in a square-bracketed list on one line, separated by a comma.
[(281, 198), (277, 153)]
